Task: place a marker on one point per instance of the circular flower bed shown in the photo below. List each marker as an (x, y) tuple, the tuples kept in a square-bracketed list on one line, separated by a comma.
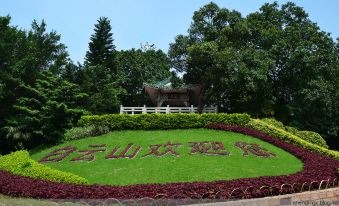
[(316, 168)]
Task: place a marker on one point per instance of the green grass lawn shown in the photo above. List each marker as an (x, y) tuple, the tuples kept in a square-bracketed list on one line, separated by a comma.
[(168, 168)]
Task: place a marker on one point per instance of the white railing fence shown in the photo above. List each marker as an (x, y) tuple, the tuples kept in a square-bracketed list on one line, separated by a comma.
[(165, 110)]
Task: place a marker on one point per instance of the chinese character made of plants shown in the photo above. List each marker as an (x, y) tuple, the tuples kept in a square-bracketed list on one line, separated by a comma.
[(206, 148)]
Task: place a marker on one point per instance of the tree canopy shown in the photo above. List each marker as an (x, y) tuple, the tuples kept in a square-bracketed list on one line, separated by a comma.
[(36, 105), (101, 46), (274, 62), (99, 76), (139, 67)]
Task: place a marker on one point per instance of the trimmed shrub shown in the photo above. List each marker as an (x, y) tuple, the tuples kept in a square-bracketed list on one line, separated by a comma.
[(292, 130), (101, 124), (289, 137), (82, 132), (308, 136), (273, 122), (161, 121), (312, 137), (19, 163), (77, 133)]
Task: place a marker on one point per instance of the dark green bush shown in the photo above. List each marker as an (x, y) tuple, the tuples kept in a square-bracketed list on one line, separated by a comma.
[(19, 163), (161, 121)]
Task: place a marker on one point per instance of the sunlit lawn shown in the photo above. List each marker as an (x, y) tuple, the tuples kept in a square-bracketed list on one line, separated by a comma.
[(169, 168)]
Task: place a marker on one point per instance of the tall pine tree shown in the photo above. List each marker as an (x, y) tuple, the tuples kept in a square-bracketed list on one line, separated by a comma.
[(101, 47), (100, 78)]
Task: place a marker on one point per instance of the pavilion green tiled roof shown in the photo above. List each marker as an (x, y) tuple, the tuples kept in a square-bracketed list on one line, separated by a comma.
[(166, 84)]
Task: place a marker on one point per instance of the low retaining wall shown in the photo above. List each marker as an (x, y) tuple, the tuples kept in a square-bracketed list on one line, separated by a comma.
[(320, 197)]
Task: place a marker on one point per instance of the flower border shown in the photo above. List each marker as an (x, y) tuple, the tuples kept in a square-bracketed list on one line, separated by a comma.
[(317, 167)]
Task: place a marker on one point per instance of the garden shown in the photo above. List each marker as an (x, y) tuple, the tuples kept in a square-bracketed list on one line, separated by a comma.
[(173, 156), (238, 107)]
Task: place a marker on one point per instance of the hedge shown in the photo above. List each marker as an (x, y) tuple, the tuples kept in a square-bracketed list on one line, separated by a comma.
[(312, 137), (19, 163), (100, 124), (289, 137), (274, 122), (308, 136), (161, 121)]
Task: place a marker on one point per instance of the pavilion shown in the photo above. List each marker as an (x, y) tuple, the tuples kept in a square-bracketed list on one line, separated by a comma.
[(168, 99), (163, 94)]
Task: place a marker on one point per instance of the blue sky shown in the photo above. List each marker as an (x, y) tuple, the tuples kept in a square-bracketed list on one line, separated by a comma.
[(139, 21)]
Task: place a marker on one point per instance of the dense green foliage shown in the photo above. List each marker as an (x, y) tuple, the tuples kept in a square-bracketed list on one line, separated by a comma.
[(103, 88), (312, 137), (43, 112), (101, 47), (42, 92), (111, 77), (139, 67), (291, 138), (182, 168), (161, 121), (308, 136), (36, 104), (99, 77), (274, 62), (19, 163)]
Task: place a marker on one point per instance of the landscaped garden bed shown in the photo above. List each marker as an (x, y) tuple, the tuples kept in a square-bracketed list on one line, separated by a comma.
[(170, 156), (232, 162)]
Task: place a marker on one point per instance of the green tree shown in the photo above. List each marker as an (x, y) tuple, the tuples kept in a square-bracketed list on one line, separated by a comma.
[(139, 67), (44, 52), (217, 55), (11, 40), (103, 88), (43, 112), (99, 76), (176, 81), (275, 62), (101, 46), (72, 73), (305, 67), (23, 56)]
